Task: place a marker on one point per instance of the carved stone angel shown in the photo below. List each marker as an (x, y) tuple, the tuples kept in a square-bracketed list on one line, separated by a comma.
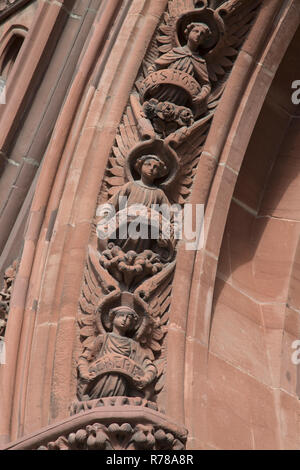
[(144, 191), (116, 364), (188, 60), (179, 79), (193, 65), (138, 202)]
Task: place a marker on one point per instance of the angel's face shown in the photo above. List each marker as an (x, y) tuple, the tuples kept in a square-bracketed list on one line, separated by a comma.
[(123, 321), (150, 169), (197, 35)]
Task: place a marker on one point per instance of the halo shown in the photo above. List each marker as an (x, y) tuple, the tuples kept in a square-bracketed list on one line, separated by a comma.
[(201, 15), (158, 148), (126, 299)]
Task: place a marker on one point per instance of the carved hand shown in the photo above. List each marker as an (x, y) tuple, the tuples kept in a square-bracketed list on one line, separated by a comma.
[(140, 383), (200, 103), (199, 99), (85, 377), (84, 373)]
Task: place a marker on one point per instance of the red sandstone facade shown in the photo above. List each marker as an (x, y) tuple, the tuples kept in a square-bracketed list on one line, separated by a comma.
[(211, 331)]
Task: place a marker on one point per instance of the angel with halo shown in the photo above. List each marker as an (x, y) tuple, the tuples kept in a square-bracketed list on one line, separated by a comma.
[(186, 59), (200, 41), (113, 346), (144, 191), (141, 198), (117, 361), (187, 43)]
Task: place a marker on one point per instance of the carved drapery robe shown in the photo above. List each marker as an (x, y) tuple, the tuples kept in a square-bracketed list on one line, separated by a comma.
[(136, 193), (181, 58), (115, 384)]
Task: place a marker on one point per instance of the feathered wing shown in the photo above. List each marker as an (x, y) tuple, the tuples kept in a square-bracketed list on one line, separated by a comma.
[(238, 16), (166, 39), (151, 55), (127, 137), (160, 306), (133, 129), (156, 293), (188, 144), (97, 284)]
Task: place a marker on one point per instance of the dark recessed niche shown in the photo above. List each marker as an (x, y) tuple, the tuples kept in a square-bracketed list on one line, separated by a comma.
[(10, 54)]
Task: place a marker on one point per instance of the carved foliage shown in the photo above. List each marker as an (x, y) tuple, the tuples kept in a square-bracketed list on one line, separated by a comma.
[(125, 434), (5, 295), (115, 436)]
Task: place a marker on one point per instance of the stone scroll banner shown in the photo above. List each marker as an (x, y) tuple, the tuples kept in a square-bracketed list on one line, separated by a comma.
[(116, 364), (170, 77)]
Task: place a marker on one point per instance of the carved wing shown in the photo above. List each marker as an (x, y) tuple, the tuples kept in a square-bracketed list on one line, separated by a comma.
[(160, 310), (166, 39), (188, 143), (97, 284), (126, 139), (238, 16), (151, 55), (133, 129), (156, 292)]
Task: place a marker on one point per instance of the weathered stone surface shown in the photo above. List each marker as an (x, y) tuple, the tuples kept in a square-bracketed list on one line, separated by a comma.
[(113, 426), (174, 102)]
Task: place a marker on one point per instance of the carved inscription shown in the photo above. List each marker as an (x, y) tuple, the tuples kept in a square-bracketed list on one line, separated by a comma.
[(118, 364), (171, 77)]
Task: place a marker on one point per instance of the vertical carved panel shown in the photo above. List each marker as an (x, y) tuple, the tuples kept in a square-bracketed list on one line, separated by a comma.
[(127, 284)]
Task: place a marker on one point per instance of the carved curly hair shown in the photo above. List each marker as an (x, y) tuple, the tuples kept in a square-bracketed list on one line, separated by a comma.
[(191, 26)]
